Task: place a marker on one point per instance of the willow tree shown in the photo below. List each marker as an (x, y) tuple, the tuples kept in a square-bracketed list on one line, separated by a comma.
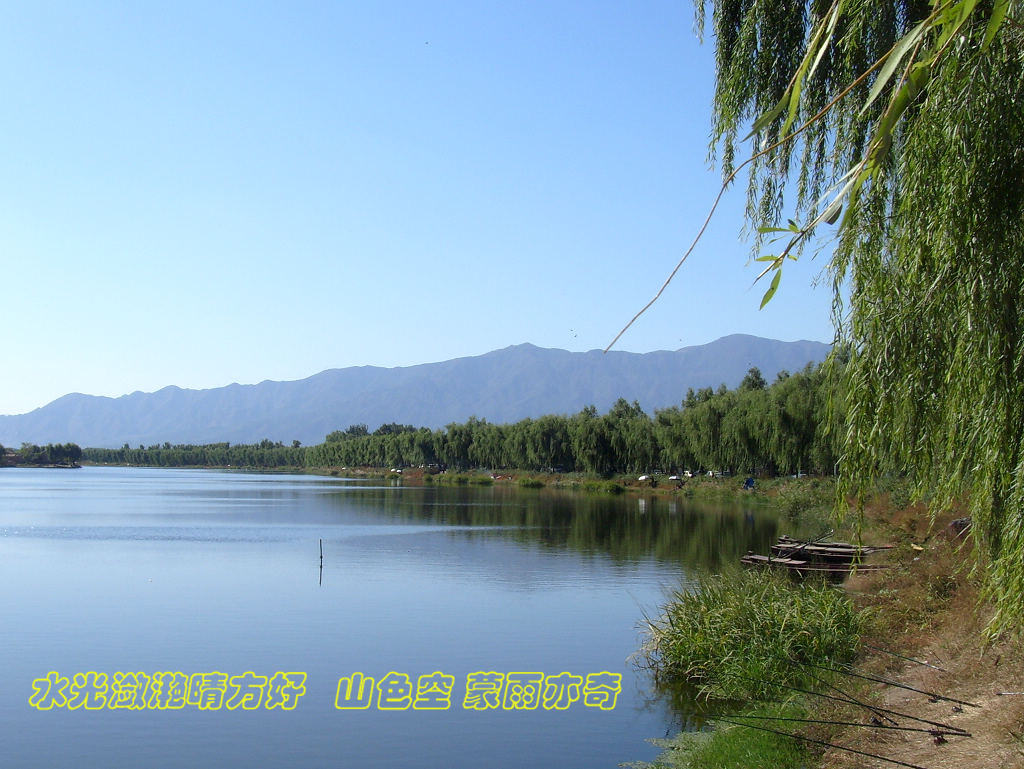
[(891, 134)]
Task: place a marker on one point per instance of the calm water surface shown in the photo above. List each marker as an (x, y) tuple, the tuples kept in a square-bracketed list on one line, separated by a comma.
[(127, 569)]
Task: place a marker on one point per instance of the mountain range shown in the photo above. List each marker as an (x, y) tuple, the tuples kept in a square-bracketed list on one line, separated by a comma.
[(500, 386)]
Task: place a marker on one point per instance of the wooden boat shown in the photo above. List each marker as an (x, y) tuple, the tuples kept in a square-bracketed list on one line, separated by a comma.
[(753, 559), (787, 541), (832, 552), (801, 567)]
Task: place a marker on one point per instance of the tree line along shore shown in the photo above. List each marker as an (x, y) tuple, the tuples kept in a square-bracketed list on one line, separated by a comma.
[(50, 455), (756, 428)]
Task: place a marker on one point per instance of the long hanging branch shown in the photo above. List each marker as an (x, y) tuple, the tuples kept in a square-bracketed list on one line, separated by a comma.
[(948, 18)]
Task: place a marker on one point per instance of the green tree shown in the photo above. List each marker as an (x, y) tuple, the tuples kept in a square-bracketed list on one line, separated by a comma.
[(588, 435), (902, 122), (753, 380), (31, 454), (393, 427), (72, 452), (631, 438)]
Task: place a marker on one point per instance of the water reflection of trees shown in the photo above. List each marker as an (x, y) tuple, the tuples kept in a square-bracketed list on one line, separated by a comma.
[(698, 536)]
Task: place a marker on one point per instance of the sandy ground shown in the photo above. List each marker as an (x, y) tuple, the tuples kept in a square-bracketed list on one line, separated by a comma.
[(951, 637)]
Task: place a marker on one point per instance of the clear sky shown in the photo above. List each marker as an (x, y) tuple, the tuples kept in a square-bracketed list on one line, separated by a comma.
[(205, 193)]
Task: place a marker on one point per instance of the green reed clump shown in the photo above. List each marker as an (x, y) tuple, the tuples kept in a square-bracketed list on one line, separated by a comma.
[(531, 483), (746, 636), (450, 479)]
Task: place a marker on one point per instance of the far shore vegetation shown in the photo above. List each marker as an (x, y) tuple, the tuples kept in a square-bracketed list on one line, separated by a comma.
[(754, 429), (50, 455)]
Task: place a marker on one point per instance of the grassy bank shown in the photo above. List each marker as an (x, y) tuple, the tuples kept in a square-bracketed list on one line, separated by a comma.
[(918, 624), (729, 745), (793, 495), (747, 642)]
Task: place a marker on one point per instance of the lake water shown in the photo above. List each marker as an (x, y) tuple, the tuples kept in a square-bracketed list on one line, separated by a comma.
[(128, 570)]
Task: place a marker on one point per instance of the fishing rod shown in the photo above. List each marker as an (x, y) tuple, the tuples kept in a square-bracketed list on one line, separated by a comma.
[(908, 659), (847, 698), (851, 701), (877, 713), (932, 732), (879, 680), (826, 744)]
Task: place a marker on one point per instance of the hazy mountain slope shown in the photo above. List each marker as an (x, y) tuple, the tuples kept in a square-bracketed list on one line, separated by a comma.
[(500, 386)]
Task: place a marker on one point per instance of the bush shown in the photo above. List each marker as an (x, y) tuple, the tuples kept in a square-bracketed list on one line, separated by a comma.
[(747, 636), (806, 499)]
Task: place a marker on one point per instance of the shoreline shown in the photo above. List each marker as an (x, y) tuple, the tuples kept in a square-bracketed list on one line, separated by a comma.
[(701, 486), (43, 467)]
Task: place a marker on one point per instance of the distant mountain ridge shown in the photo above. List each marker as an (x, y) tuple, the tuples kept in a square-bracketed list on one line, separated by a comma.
[(500, 386)]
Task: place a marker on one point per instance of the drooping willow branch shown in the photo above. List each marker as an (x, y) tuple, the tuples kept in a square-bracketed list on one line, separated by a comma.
[(904, 91)]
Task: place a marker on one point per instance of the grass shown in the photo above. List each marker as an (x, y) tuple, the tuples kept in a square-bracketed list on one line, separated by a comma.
[(745, 636), (805, 500), (735, 747), (598, 487)]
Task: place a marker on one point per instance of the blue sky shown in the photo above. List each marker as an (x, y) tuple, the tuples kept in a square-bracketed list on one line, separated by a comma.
[(205, 193)]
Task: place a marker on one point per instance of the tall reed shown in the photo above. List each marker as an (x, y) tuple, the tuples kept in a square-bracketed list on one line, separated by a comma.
[(749, 635)]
